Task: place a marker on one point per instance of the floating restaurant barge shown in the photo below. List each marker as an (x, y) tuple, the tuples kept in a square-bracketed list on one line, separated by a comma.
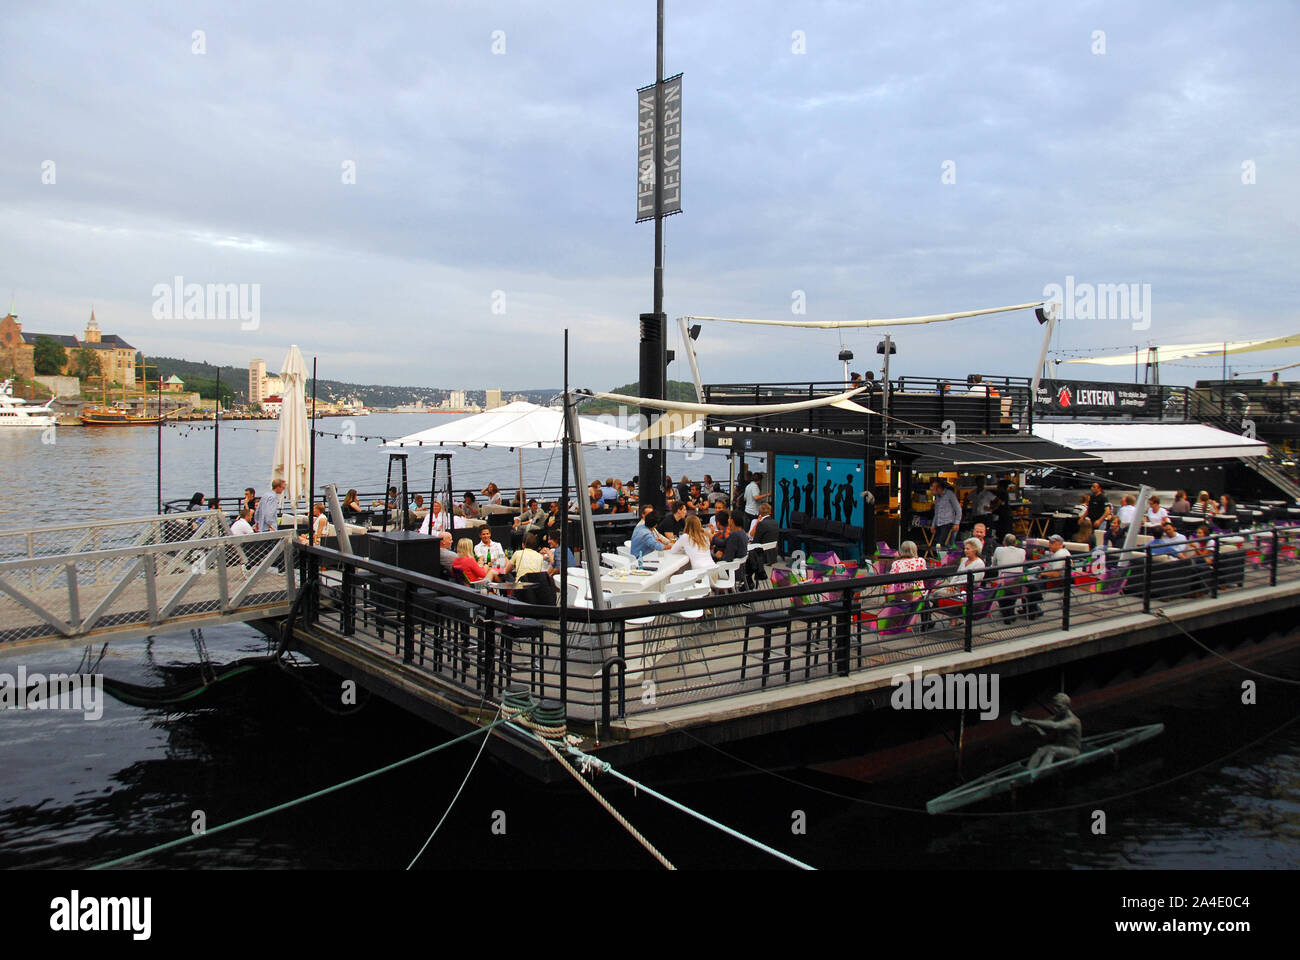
[(804, 672), (791, 674)]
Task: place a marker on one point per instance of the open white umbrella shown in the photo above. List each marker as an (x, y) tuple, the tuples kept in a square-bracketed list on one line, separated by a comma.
[(292, 444), (519, 424)]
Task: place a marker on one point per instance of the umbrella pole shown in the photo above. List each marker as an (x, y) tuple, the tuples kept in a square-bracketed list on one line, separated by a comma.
[(564, 535)]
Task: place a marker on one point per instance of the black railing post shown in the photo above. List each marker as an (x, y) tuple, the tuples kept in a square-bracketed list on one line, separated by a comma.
[(844, 633), (970, 612), (487, 657), (348, 612), (1272, 560), (1214, 579), (1146, 579), (408, 624), (1065, 597), (604, 689)]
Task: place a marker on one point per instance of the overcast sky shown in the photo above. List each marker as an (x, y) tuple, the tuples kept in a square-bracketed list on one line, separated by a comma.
[(1113, 157)]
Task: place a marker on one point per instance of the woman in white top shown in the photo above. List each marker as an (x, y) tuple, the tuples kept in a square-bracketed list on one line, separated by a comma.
[(694, 542), (970, 563), (1156, 514)]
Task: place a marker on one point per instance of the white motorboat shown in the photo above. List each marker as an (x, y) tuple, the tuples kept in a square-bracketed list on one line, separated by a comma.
[(17, 412)]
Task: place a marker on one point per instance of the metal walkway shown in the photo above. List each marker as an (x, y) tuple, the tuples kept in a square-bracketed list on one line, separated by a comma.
[(126, 578), (1274, 475)]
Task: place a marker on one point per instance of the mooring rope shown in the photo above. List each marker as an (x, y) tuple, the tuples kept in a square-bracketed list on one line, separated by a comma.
[(636, 834), (456, 797), (303, 799), (1267, 676)]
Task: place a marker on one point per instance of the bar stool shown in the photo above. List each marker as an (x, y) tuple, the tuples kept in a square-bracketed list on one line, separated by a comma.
[(524, 630), (767, 621)]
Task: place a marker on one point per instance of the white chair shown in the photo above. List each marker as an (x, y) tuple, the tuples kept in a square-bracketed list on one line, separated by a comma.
[(688, 618), (625, 550), (616, 561)]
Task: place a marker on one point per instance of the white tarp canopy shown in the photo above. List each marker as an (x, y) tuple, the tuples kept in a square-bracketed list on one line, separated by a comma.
[(890, 322), (292, 444), (1150, 442), (518, 424), (1184, 351)]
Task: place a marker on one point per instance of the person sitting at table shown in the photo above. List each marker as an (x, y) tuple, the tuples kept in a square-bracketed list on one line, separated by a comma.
[(1202, 547), (694, 544), (1181, 504), (595, 500), (469, 508), (435, 521), (1227, 505), (1205, 507), (733, 544), (552, 554), (629, 489), (1054, 568), (352, 509), (492, 492), (1115, 533), (532, 517), (1170, 545), (446, 555), (1009, 555), (553, 519), (1156, 514), (987, 546), (907, 562), (764, 529), (244, 525), (716, 495), (250, 499), (644, 538), (608, 493), (620, 506), (675, 523), (487, 551), (466, 566), (318, 525), (970, 563), (527, 559), (716, 526), (1127, 509)]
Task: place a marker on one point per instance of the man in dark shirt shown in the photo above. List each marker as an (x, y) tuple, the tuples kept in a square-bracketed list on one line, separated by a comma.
[(766, 530), (732, 543), (674, 523), (1097, 505)]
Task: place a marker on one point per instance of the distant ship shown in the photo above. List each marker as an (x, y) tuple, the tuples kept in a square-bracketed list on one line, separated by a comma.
[(116, 417), (17, 412)]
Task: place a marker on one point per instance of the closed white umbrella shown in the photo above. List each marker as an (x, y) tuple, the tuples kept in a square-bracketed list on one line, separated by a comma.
[(292, 445)]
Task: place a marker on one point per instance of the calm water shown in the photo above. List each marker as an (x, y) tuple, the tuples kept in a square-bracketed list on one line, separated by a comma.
[(76, 792)]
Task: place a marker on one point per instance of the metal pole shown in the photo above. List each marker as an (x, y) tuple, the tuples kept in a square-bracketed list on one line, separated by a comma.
[(311, 468), (216, 443), (689, 347), (653, 356), (884, 404), (160, 429), (564, 538)]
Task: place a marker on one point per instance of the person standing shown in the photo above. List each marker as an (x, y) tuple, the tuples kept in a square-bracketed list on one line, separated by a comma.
[(947, 514), (268, 509), (753, 496)]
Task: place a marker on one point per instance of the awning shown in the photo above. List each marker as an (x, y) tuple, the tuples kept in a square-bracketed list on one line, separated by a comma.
[(1150, 442), (989, 454)]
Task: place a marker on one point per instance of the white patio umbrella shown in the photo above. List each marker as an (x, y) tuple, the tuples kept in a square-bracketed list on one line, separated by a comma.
[(519, 424), (292, 444)]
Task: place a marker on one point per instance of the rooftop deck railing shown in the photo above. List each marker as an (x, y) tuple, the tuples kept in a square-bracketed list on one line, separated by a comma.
[(642, 656), (917, 406)]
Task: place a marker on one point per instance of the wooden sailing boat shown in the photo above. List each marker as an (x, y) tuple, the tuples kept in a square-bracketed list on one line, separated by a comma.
[(118, 415)]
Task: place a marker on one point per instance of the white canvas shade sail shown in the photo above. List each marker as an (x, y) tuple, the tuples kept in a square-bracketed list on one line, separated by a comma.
[(292, 460), (517, 424), (891, 322), (1186, 351)]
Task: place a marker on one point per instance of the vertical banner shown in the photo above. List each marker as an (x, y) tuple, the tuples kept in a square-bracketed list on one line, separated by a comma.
[(671, 156)]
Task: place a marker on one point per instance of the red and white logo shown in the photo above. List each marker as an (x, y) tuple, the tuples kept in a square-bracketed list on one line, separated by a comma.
[(1063, 397)]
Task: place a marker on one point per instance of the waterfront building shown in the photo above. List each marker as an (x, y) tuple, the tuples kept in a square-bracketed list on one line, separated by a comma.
[(493, 400), (18, 349)]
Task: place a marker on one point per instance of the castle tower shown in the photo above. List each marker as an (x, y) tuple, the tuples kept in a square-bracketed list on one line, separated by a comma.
[(92, 329)]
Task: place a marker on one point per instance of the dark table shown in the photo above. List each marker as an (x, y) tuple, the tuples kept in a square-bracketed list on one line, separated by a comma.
[(408, 550)]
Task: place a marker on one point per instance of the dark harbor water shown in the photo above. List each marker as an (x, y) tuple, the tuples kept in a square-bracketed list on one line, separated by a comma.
[(1220, 790)]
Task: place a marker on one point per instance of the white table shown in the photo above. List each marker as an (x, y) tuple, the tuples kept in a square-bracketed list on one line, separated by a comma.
[(649, 580)]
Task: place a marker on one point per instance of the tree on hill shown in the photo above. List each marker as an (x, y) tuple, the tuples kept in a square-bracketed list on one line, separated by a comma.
[(49, 357), (85, 363)]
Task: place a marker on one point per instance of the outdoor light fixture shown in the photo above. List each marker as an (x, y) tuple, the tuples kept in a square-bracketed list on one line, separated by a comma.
[(695, 332), (846, 355), (893, 347)]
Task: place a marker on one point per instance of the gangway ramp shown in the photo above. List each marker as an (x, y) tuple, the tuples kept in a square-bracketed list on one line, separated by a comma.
[(119, 579)]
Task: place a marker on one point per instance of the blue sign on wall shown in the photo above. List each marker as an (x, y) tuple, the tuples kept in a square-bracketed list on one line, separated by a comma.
[(818, 487)]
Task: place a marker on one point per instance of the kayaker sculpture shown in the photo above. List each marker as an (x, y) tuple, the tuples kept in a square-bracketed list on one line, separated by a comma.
[(1065, 730)]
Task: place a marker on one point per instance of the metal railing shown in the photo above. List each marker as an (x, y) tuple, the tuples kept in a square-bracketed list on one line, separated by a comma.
[(65, 582), (637, 658)]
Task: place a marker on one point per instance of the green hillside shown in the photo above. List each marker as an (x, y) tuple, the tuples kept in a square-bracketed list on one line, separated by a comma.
[(677, 390)]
